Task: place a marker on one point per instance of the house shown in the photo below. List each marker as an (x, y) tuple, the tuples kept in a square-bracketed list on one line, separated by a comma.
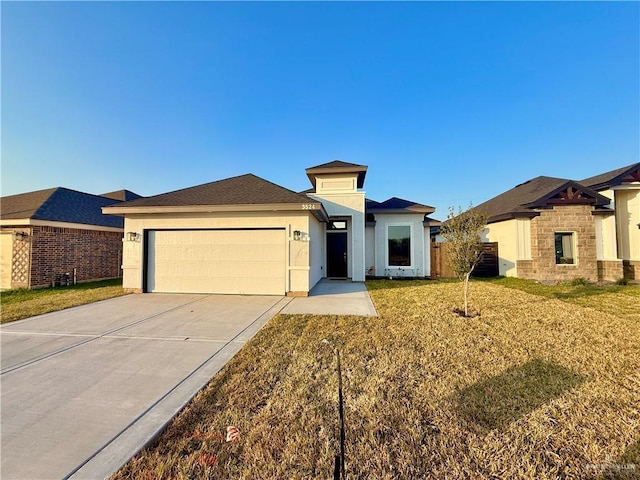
[(553, 229), (59, 235), (246, 235), (622, 188)]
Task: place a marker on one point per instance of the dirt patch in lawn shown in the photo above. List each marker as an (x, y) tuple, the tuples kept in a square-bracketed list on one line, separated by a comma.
[(533, 388)]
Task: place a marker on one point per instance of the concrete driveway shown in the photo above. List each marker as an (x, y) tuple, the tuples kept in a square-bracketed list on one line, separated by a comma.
[(85, 388)]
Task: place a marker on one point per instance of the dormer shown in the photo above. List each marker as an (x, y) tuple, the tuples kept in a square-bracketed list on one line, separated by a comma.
[(337, 177)]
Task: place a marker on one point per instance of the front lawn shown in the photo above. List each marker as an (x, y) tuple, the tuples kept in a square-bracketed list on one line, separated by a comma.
[(22, 303), (534, 387), (617, 299)]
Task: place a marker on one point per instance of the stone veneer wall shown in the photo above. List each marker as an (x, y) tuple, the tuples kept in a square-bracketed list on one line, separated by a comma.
[(610, 270), (94, 254), (563, 218), (631, 269)]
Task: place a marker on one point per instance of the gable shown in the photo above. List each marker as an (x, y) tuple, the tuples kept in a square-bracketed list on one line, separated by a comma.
[(604, 181), (631, 177), (526, 199), (570, 193)]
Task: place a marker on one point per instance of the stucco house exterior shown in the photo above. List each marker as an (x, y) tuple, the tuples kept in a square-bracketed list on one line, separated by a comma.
[(47, 234), (246, 235), (552, 229), (622, 188)]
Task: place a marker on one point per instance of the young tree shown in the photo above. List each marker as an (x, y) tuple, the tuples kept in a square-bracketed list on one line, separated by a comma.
[(462, 232)]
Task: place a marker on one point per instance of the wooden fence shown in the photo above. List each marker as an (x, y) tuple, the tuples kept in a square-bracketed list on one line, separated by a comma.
[(440, 266)]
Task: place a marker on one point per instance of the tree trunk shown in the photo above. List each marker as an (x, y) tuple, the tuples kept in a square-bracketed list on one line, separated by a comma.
[(466, 294)]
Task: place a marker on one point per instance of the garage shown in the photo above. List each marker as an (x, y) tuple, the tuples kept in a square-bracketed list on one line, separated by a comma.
[(224, 261)]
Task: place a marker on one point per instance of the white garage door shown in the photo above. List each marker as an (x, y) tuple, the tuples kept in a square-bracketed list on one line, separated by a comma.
[(216, 261)]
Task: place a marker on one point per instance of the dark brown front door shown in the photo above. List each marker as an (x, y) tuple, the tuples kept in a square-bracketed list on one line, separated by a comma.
[(337, 254)]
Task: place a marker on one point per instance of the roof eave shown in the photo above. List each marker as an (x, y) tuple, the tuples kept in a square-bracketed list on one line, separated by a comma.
[(361, 170), (410, 210), (263, 207), (511, 216)]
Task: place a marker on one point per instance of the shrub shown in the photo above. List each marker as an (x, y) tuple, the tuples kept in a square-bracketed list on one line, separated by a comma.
[(579, 281), (622, 281)]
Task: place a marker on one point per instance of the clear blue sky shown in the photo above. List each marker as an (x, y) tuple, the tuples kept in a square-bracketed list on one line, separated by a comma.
[(447, 103)]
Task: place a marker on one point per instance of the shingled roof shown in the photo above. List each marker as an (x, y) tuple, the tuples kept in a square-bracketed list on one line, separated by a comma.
[(397, 205), (337, 166), (241, 190), (59, 205), (122, 195), (541, 192), (630, 173)]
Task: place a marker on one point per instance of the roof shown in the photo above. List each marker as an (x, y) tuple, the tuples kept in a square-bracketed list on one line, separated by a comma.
[(241, 190), (337, 166), (122, 195), (526, 199), (630, 173), (59, 205), (244, 192), (397, 205)]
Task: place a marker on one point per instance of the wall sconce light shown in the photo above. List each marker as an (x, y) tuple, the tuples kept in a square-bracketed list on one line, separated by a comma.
[(296, 234), (132, 236), (20, 235)]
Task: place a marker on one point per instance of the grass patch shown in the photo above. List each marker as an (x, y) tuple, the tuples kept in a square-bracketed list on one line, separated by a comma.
[(533, 388), (620, 299), (22, 303)]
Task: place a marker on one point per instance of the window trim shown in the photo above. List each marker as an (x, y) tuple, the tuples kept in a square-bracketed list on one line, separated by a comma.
[(574, 248), (411, 247)]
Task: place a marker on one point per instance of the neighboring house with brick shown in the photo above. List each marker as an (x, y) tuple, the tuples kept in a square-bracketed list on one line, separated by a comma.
[(553, 229), (246, 235), (47, 234)]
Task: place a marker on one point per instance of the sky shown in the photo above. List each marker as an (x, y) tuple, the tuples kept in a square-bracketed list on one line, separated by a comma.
[(447, 103)]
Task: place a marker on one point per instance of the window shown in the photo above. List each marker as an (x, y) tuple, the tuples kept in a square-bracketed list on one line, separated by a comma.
[(565, 248), (399, 243)]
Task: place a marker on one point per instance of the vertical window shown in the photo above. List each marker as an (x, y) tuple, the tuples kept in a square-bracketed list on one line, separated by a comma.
[(399, 243), (565, 248)]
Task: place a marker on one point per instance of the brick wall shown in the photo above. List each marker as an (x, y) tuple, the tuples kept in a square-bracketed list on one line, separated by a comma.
[(94, 254), (565, 218)]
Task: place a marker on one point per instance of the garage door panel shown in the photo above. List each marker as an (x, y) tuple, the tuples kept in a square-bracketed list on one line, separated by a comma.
[(217, 261)]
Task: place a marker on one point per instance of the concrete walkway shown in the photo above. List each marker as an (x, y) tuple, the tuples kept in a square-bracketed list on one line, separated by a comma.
[(84, 389), (334, 297)]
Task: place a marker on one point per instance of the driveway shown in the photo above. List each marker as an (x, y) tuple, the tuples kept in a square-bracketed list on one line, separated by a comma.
[(85, 388)]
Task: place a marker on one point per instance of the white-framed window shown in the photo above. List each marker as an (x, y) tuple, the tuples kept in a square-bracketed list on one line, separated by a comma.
[(399, 248), (565, 246)]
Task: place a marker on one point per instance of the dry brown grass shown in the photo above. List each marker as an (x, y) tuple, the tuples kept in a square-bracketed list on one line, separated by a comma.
[(532, 388)]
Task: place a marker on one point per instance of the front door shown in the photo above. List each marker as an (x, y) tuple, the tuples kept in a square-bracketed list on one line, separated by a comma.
[(337, 254)]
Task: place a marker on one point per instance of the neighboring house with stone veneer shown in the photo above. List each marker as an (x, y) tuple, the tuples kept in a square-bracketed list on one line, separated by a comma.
[(553, 229), (47, 234)]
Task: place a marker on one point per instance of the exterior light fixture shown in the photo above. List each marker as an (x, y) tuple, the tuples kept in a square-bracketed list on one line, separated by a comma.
[(20, 235), (132, 236), (297, 234)]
